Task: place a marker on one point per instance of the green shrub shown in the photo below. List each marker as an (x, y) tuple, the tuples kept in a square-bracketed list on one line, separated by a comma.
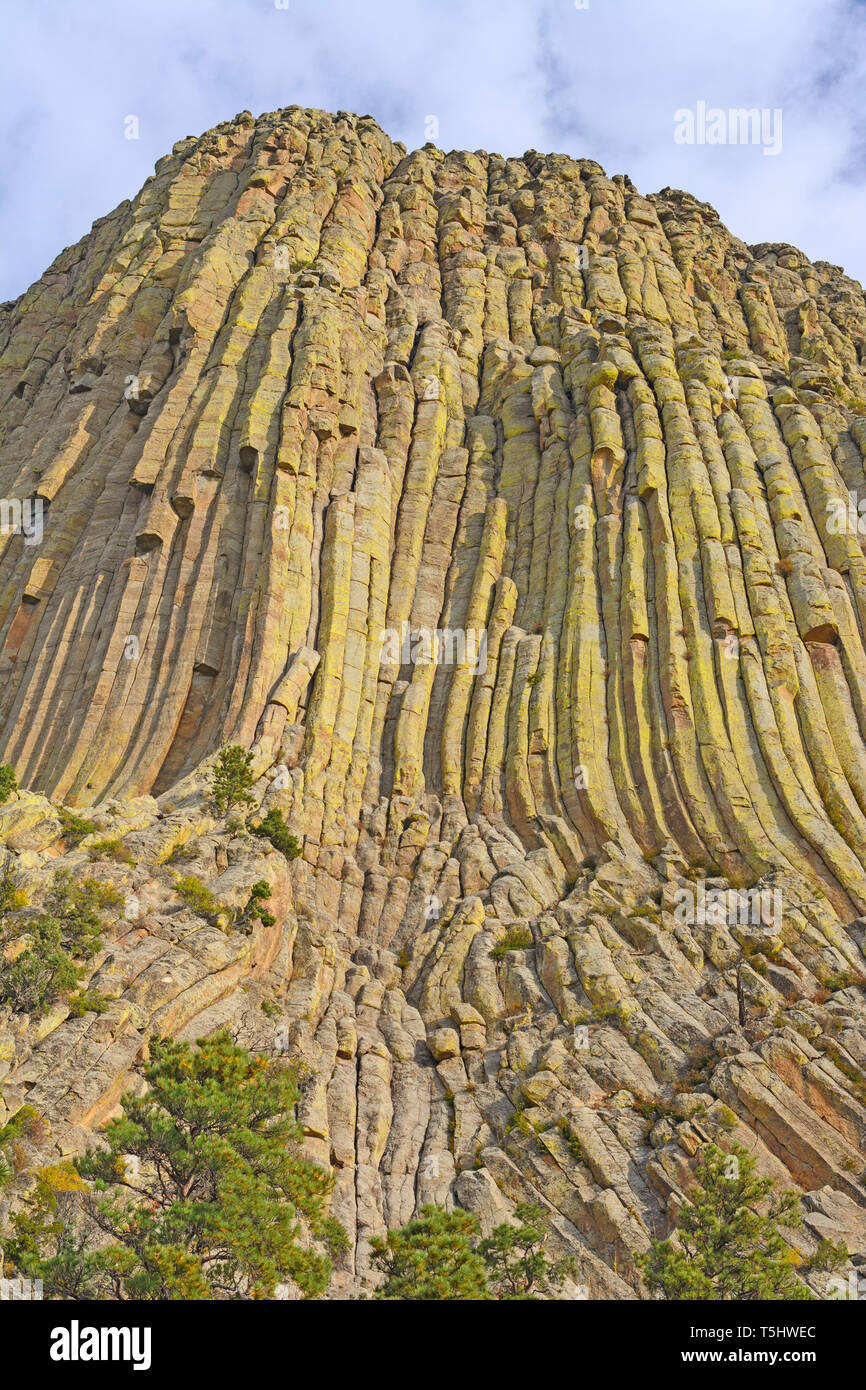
[(843, 979), (75, 828), (516, 938), (113, 848), (11, 898), (42, 972), (572, 1142), (58, 941), (183, 850), (259, 893), (89, 1001), (830, 1255), (274, 828), (606, 1013), (196, 895), (8, 784), (27, 1125), (517, 1120)]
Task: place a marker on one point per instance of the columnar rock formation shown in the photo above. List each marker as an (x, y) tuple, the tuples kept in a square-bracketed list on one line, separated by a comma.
[(304, 403)]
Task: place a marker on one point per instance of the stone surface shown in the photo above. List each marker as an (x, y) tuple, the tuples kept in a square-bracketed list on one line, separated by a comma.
[(309, 400)]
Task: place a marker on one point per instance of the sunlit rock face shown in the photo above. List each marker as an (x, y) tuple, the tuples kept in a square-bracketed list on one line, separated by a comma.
[(513, 520)]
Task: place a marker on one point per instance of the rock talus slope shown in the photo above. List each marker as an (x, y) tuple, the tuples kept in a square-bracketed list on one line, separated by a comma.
[(309, 400)]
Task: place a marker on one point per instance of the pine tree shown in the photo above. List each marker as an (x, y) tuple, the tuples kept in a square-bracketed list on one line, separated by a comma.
[(432, 1258), (231, 778), (726, 1247), (60, 940), (274, 828), (438, 1257), (517, 1265), (199, 1193)]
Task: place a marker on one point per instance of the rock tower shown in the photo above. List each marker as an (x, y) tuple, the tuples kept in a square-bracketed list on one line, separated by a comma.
[(512, 520)]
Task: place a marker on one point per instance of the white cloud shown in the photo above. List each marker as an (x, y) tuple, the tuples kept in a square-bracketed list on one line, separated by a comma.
[(505, 76)]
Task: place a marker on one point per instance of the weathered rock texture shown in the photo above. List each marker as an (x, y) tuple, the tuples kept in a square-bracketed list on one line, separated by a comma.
[(307, 389)]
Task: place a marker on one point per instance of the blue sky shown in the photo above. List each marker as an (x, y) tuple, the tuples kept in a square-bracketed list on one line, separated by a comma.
[(502, 75)]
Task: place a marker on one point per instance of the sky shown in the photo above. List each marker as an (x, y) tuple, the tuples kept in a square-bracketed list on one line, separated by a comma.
[(607, 80)]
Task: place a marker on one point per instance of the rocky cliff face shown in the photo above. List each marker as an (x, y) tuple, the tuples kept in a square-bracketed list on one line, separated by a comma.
[(510, 518)]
